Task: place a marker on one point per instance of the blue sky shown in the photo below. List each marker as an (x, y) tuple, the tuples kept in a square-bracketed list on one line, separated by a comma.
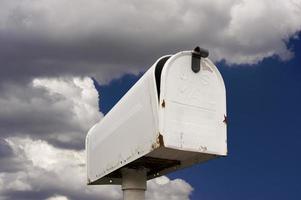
[(264, 136)]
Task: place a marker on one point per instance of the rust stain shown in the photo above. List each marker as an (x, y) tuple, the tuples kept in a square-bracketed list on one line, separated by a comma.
[(225, 119), (154, 145), (163, 104), (161, 140)]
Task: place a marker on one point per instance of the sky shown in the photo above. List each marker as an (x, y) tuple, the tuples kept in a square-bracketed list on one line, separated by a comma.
[(64, 64)]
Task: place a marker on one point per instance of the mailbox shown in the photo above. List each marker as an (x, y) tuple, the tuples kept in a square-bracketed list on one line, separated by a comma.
[(173, 117)]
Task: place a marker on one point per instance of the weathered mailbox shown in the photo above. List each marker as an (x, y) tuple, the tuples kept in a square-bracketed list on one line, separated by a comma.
[(173, 117)]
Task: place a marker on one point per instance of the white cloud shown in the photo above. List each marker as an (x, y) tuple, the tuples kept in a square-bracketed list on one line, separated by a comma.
[(163, 188), (59, 110), (77, 93), (60, 174), (47, 170), (260, 29), (56, 197), (64, 109), (105, 39)]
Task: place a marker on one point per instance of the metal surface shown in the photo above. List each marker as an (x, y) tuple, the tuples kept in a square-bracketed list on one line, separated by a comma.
[(126, 133), (195, 106), (133, 183), (165, 129)]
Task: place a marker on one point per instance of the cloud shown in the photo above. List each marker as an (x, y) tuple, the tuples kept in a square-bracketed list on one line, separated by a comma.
[(48, 171), (43, 126), (50, 48), (52, 173), (56, 197), (105, 39), (163, 188), (58, 110)]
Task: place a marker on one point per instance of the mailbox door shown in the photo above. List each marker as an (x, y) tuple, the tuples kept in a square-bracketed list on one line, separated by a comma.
[(193, 106)]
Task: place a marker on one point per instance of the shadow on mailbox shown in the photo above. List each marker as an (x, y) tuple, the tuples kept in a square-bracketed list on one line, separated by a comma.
[(173, 117)]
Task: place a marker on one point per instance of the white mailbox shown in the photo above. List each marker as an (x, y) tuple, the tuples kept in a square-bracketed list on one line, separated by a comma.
[(173, 117)]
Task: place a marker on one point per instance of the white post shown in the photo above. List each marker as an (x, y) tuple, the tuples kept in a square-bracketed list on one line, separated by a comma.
[(133, 183)]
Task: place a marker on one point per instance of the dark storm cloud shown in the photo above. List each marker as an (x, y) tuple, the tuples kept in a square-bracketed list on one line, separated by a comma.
[(104, 39), (5, 150), (8, 161), (45, 111), (50, 109)]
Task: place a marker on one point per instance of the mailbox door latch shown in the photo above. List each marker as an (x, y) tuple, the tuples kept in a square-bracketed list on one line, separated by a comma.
[(196, 56)]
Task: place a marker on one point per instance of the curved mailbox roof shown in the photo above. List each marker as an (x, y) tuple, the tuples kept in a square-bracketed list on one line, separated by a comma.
[(173, 117)]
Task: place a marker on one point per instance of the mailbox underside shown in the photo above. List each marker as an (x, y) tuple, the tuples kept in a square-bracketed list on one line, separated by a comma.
[(159, 162)]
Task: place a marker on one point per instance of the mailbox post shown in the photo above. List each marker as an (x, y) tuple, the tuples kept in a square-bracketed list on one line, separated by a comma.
[(133, 183), (172, 118)]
